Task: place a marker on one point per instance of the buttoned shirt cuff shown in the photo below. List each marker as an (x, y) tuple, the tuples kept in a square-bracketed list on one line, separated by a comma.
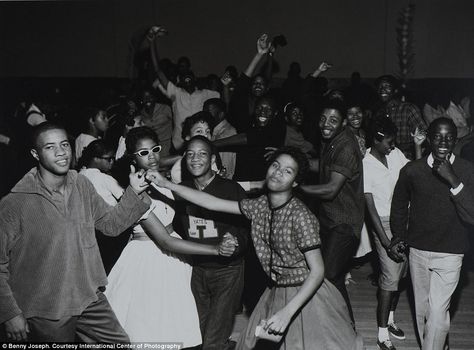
[(458, 189)]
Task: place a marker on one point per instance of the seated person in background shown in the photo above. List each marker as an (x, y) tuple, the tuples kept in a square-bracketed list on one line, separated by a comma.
[(186, 98), (223, 129), (97, 124), (268, 130)]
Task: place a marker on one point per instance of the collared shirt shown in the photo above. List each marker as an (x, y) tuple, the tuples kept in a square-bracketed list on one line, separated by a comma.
[(342, 155), (281, 236), (407, 117), (50, 264), (430, 161), (185, 105), (380, 180)]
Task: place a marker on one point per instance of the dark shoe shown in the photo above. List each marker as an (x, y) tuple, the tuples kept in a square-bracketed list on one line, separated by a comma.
[(385, 345), (395, 331)]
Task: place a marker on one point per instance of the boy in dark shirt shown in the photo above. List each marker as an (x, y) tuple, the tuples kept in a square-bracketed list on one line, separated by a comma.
[(342, 196), (217, 282), (432, 203)]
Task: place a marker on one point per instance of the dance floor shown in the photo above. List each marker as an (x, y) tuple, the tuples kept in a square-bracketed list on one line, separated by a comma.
[(364, 301)]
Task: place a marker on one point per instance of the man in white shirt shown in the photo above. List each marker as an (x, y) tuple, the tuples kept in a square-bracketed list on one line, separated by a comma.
[(186, 99)]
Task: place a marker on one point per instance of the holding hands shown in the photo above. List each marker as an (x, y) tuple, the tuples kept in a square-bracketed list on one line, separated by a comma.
[(397, 250), (228, 245)]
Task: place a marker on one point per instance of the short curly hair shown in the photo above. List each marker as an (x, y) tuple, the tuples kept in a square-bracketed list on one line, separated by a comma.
[(137, 134), (299, 157)]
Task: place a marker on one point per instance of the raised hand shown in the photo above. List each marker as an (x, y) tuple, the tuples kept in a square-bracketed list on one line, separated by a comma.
[(324, 66), (226, 79), (156, 31), (269, 151), (262, 44), (137, 180), (419, 136)]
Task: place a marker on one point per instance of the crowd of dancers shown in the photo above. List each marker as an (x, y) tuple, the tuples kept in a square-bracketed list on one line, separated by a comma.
[(231, 192)]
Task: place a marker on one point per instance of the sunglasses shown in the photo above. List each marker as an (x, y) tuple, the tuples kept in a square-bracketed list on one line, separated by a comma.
[(145, 152)]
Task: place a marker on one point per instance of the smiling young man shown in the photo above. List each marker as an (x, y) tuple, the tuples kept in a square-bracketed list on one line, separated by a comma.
[(406, 116), (341, 193), (432, 204), (51, 273), (217, 282)]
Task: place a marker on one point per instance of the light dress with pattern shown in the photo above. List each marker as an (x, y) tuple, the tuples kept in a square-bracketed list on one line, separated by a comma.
[(150, 289), (281, 236)]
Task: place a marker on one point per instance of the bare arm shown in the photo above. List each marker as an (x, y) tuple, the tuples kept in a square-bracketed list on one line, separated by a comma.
[(202, 199), (262, 48), (324, 66), (155, 59), (374, 216), (234, 140), (158, 233), (281, 319), (329, 190)]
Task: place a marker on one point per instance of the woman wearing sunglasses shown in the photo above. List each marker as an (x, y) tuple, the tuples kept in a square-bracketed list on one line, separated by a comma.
[(149, 288)]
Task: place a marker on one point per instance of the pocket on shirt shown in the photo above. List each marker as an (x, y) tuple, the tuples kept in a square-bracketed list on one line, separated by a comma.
[(87, 235)]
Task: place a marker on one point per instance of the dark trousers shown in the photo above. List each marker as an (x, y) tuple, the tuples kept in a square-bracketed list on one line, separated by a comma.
[(217, 292), (338, 246), (96, 324)]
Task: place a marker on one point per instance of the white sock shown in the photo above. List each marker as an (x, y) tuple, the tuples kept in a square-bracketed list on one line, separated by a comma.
[(383, 334), (390, 318)]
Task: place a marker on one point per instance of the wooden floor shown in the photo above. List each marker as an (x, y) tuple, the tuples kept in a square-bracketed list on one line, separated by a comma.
[(363, 298)]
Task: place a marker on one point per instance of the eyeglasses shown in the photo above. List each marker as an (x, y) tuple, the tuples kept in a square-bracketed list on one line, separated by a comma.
[(145, 152), (110, 159)]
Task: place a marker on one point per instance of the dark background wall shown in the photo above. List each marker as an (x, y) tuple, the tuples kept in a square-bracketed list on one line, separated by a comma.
[(91, 38)]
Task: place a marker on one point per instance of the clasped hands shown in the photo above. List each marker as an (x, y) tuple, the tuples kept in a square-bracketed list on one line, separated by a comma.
[(397, 250)]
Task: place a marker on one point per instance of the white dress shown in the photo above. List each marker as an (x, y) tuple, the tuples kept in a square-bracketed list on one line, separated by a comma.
[(150, 290)]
